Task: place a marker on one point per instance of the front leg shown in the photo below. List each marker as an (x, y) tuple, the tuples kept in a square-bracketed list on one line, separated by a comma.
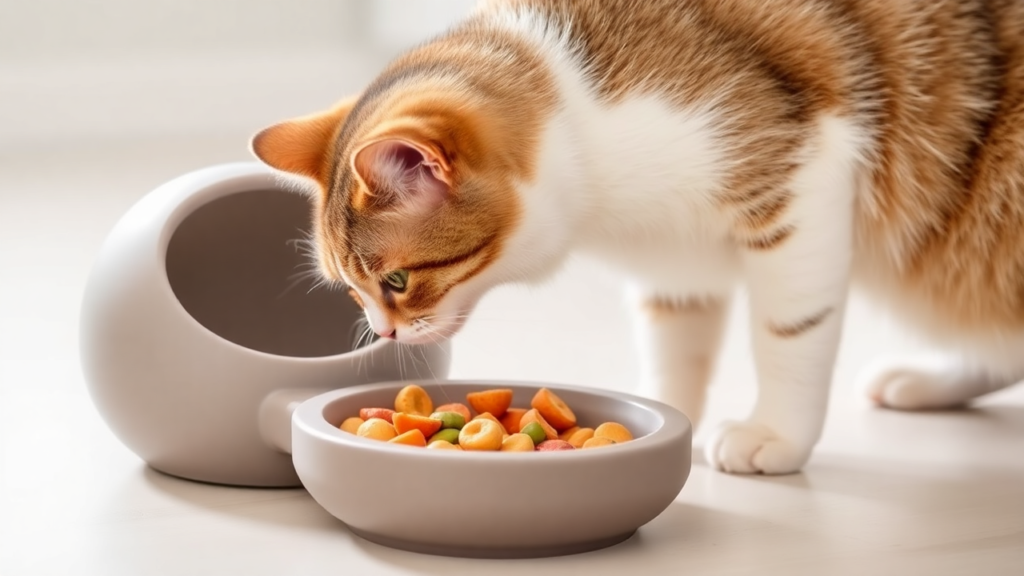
[(679, 338), (797, 278)]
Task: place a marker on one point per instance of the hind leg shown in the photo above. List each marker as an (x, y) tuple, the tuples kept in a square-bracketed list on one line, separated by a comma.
[(932, 383)]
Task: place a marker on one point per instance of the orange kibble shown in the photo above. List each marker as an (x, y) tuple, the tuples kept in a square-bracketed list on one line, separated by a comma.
[(494, 401), (489, 416), (458, 408), (411, 438), (405, 422), (535, 416), (579, 437), (482, 434), (377, 429), (517, 443), (414, 400), (596, 442), (443, 445), (553, 409), (351, 425), (565, 434), (613, 431), (511, 419)]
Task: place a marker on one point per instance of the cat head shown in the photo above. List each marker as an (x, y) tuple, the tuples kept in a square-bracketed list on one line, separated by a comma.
[(416, 206)]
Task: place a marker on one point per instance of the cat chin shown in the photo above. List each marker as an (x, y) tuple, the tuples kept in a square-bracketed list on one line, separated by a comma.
[(432, 336)]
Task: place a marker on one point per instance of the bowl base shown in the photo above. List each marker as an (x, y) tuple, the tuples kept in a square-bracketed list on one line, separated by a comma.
[(493, 553), (283, 479)]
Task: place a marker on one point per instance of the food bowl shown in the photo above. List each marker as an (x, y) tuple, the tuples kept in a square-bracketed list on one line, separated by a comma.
[(194, 324), (492, 504)]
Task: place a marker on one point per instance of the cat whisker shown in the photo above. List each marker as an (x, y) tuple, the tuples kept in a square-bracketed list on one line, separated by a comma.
[(296, 279)]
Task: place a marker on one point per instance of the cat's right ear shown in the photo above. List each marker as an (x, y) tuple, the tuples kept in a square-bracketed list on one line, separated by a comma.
[(303, 146)]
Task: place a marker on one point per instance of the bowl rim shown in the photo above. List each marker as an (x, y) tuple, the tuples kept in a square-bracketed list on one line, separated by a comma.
[(308, 417), (188, 193)]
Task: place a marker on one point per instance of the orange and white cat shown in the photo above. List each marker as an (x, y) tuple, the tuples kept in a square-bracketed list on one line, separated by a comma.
[(792, 145)]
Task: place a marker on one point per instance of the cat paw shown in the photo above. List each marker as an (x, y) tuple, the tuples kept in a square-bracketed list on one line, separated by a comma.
[(911, 388), (753, 448)]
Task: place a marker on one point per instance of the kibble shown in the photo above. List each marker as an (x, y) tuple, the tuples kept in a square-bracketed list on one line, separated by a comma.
[(411, 438), (613, 431), (548, 425), (517, 443), (553, 445), (406, 422), (598, 442), (580, 436), (377, 429), (450, 419), (481, 434), (442, 445), (535, 416), (414, 399), (383, 413), (351, 425), (535, 432), (450, 435)]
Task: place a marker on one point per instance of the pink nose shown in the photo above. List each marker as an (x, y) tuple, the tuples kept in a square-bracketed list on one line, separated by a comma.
[(393, 334)]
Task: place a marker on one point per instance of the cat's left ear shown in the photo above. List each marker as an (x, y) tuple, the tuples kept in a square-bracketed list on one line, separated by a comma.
[(305, 145), (402, 174)]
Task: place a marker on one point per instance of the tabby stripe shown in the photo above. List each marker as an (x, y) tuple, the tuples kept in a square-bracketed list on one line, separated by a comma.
[(765, 213), (770, 241), (688, 305), (798, 328), (453, 260), (423, 298)]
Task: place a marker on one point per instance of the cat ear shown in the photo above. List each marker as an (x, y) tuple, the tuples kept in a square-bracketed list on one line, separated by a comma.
[(303, 146), (402, 175)]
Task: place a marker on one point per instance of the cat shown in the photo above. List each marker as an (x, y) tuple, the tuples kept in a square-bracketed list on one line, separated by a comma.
[(800, 147)]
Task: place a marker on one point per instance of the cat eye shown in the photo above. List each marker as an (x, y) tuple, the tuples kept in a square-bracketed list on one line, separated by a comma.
[(397, 279)]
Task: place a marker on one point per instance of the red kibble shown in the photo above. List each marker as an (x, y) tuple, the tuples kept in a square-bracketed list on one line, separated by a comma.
[(382, 413), (553, 445)]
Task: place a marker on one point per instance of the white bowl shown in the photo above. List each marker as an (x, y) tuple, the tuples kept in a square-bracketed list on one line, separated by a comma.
[(493, 504), (189, 327)]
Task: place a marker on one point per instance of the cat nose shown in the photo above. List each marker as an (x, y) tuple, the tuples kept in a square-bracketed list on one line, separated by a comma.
[(392, 335)]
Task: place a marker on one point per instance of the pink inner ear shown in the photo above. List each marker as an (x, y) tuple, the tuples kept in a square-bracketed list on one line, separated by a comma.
[(401, 175)]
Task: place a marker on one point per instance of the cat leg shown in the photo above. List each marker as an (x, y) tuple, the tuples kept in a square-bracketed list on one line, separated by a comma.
[(797, 276), (679, 340), (932, 383)]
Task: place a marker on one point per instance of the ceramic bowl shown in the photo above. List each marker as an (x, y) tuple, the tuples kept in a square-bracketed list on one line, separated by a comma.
[(194, 323), (492, 504)]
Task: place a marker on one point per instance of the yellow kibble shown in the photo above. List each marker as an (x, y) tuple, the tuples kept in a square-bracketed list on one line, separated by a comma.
[(443, 445), (481, 434), (489, 416), (613, 431), (377, 429), (580, 436), (414, 400), (351, 425), (597, 442), (566, 434), (518, 442)]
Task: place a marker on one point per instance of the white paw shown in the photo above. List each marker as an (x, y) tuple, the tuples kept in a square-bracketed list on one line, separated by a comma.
[(753, 448), (914, 388)]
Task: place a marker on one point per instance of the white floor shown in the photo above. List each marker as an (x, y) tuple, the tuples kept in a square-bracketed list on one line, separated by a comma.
[(886, 492)]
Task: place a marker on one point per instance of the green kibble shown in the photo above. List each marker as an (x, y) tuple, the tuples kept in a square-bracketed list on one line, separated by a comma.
[(449, 434), (450, 420), (535, 432)]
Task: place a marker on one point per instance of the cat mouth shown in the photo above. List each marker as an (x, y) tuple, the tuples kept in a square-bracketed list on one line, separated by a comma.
[(431, 331)]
